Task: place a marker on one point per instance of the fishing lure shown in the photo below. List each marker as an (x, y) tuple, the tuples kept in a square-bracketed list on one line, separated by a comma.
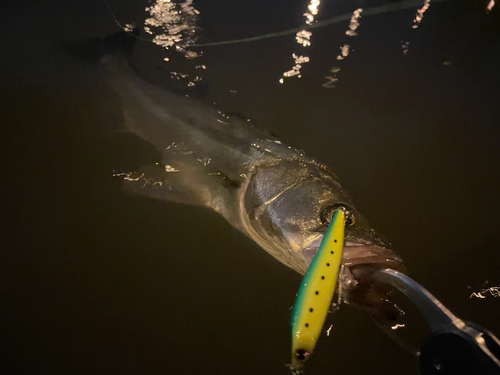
[(316, 292)]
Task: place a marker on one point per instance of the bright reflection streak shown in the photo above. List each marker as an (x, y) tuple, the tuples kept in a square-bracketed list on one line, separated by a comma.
[(295, 71), (303, 37), (354, 24), (313, 11), (494, 291), (405, 46), (173, 25), (331, 79), (397, 326), (416, 22), (344, 52), (328, 331), (490, 6), (420, 14)]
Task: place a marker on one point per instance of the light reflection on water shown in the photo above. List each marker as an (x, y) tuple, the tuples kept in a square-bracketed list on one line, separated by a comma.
[(490, 5), (303, 38), (175, 26), (354, 23), (332, 78), (420, 14)]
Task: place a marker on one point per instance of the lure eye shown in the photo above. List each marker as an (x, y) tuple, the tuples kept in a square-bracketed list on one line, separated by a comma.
[(327, 214), (301, 354)]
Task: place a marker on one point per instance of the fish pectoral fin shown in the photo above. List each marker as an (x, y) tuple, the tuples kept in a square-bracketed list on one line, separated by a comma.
[(151, 181), (181, 182)]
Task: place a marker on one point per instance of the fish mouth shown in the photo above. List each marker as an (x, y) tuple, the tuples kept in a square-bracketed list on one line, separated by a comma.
[(355, 254), (359, 262)]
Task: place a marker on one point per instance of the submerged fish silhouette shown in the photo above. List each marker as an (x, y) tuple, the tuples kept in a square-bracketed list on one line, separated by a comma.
[(273, 193)]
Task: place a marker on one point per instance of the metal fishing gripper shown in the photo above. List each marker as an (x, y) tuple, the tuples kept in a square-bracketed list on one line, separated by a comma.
[(454, 347)]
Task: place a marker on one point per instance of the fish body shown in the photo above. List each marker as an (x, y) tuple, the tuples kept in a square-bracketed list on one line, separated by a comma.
[(272, 192)]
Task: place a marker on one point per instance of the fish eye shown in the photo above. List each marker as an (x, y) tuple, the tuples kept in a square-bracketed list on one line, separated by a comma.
[(328, 212), (349, 219)]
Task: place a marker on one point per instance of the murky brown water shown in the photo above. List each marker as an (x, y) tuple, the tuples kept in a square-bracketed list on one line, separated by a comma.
[(95, 281)]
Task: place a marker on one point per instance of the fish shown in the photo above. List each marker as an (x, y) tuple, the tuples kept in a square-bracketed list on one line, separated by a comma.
[(273, 193)]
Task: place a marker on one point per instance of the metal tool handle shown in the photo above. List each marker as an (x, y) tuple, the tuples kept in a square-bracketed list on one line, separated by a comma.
[(458, 352), (454, 347)]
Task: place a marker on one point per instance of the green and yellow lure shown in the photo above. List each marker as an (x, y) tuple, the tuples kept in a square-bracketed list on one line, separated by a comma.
[(316, 292)]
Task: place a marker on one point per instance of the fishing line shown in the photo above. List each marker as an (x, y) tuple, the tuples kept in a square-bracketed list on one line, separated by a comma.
[(331, 21), (124, 28), (344, 17)]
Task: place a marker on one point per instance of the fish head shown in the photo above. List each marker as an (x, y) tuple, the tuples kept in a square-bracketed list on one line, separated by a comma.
[(289, 208), (363, 245), (365, 251)]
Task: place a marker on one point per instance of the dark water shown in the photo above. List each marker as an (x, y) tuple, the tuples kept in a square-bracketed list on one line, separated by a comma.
[(95, 281)]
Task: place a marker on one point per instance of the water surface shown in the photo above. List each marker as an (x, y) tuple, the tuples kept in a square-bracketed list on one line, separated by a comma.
[(95, 281)]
